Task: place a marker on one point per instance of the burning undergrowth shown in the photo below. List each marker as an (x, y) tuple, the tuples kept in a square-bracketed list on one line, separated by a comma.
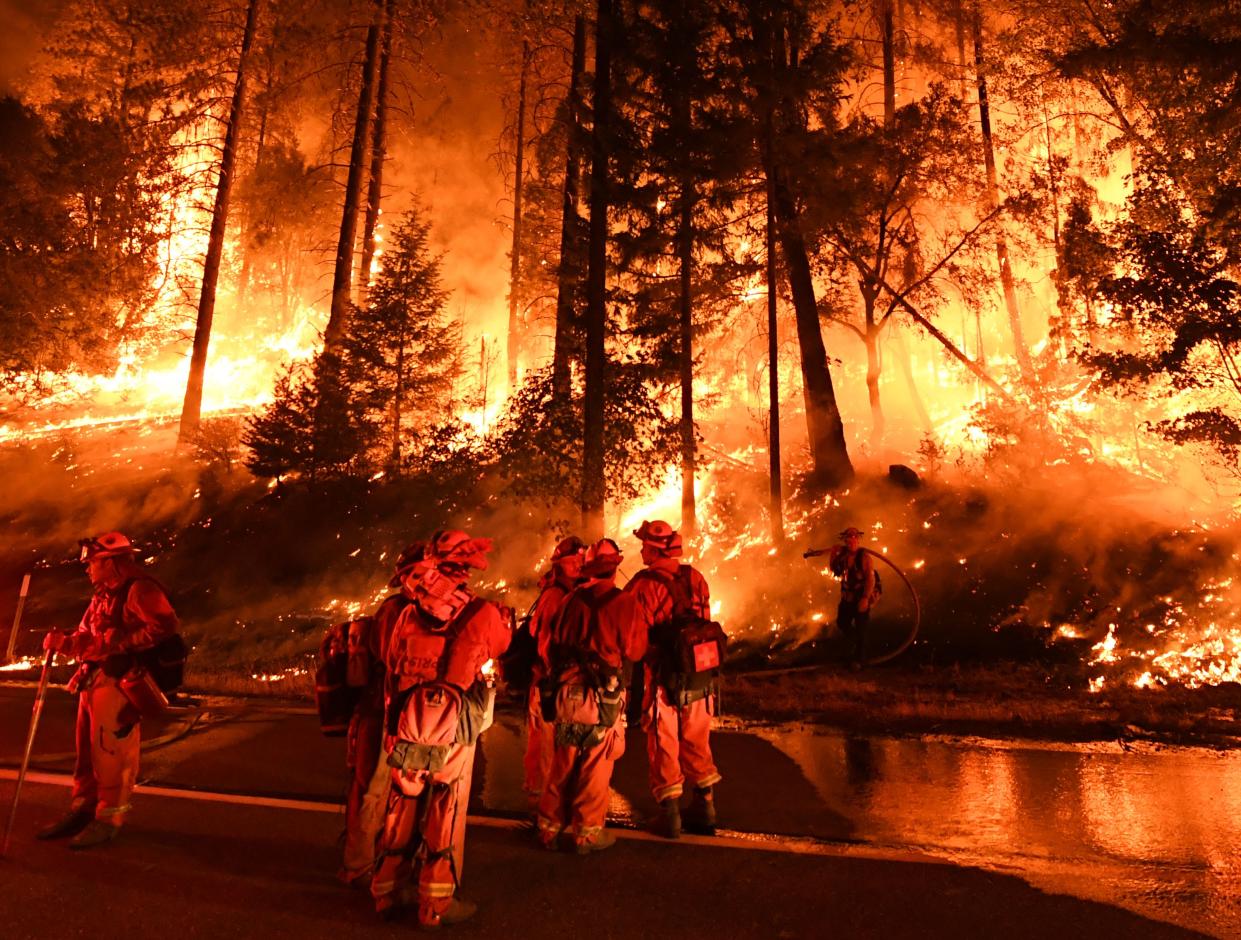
[(1071, 569)]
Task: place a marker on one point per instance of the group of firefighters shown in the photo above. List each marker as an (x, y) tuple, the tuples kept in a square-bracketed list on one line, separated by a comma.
[(423, 664)]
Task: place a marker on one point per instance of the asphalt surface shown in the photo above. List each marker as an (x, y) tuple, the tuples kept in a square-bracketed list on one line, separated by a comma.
[(193, 869), (1141, 840)]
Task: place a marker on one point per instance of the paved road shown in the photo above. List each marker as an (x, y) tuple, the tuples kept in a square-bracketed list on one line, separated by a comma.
[(210, 870), (1157, 833)]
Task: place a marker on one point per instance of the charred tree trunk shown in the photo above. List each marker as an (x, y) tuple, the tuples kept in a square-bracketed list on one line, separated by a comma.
[(513, 349), (567, 277), (685, 254), (191, 411), (396, 409), (993, 197), (888, 31), (773, 356), (379, 153), (874, 367), (342, 277), (826, 431), (594, 489), (915, 395)]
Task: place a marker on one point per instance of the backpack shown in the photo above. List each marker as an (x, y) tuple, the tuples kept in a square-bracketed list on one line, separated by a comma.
[(165, 661), (570, 651), (690, 647), (517, 662), (335, 698)]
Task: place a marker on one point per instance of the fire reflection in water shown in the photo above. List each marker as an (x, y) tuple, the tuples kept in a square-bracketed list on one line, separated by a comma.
[(1155, 830)]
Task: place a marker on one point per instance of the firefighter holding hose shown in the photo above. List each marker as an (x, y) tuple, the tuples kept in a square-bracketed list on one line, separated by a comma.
[(859, 589), (128, 617)]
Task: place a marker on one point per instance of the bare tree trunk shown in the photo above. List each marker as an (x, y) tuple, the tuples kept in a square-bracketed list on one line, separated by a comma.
[(993, 197), (513, 349), (379, 153), (570, 221), (889, 63), (873, 370), (915, 396), (342, 278), (191, 411), (594, 489), (396, 410), (685, 252), (773, 355), (958, 23), (829, 453)]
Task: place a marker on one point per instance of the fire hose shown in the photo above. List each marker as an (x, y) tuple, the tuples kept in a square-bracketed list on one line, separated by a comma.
[(912, 635)]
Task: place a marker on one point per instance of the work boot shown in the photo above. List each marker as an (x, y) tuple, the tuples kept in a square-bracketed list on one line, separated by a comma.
[(603, 840), (388, 907), (701, 818), (670, 824), (95, 833), (70, 824), (457, 912)]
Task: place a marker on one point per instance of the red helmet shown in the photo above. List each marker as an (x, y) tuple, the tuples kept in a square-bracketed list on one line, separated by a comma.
[(108, 545), (411, 555), (660, 536), (602, 559), (452, 546), (568, 546)]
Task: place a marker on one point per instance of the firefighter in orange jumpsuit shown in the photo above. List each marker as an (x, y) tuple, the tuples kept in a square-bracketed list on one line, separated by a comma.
[(556, 586), (593, 644), (129, 614), (852, 564), (677, 723), (437, 705), (368, 789)]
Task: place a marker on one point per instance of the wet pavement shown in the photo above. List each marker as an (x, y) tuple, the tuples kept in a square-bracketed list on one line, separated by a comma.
[(1154, 830)]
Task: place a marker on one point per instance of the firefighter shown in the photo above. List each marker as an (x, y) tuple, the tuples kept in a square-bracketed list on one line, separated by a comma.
[(591, 648), (555, 586), (677, 719), (858, 589), (128, 615), (368, 779), (437, 703)]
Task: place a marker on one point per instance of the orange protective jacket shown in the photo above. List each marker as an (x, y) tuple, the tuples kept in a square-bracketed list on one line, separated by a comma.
[(614, 631), (654, 598), (128, 618), (423, 650)]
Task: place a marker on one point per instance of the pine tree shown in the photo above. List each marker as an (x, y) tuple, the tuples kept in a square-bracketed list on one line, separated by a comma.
[(402, 348)]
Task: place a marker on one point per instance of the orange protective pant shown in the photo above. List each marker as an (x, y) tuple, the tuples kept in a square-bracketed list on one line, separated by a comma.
[(678, 743), (540, 735), (368, 791), (107, 749), (575, 796), (425, 833)]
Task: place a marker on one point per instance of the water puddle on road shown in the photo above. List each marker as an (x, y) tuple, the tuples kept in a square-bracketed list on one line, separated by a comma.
[(1156, 830)]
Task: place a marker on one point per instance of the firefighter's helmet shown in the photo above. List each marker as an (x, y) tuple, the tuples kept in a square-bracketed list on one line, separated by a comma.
[(660, 536), (571, 545), (454, 547), (108, 545), (851, 531), (411, 555), (602, 559)]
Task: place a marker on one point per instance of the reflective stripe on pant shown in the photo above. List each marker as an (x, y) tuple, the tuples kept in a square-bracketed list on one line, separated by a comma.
[(539, 746), (578, 785), (429, 830), (368, 792), (678, 743), (107, 765)]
